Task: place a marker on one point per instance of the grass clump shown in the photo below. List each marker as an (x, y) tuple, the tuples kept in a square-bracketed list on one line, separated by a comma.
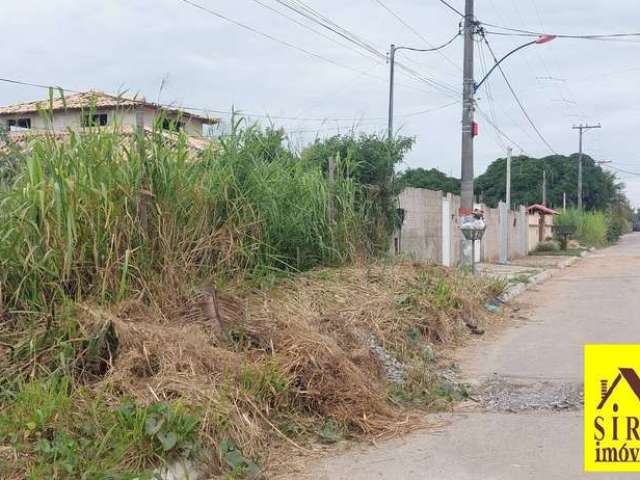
[(54, 431), (548, 246)]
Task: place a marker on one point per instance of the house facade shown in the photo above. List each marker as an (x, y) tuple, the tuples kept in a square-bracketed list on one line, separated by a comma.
[(98, 109)]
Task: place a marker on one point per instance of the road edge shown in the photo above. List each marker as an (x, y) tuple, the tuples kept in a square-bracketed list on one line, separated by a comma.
[(516, 290)]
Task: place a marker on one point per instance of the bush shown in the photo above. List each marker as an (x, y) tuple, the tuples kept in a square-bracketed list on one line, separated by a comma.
[(548, 246), (591, 227), (620, 217)]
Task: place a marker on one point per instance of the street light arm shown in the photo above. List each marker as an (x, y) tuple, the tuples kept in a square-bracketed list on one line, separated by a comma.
[(537, 41), (478, 85)]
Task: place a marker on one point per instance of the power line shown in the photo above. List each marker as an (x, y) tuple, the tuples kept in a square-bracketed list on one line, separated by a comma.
[(492, 112), (376, 58), (422, 112), (499, 130), (622, 170), (515, 96), (275, 39), (28, 84), (308, 27), (451, 7), (419, 35), (229, 112), (519, 32), (301, 8)]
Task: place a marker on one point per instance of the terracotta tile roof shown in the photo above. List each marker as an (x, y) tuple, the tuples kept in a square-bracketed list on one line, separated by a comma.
[(536, 207), (95, 99)]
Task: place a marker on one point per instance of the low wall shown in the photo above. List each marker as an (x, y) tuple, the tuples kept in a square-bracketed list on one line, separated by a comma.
[(431, 230)]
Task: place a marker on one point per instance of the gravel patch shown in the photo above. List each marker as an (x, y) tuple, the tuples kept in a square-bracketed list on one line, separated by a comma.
[(394, 371), (500, 395)]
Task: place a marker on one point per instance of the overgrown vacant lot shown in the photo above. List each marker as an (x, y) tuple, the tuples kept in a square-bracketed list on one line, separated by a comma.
[(155, 307), (109, 391)]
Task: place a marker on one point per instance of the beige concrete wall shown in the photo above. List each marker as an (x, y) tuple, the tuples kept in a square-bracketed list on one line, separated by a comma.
[(422, 233), (518, 232), (490, 246), (63, 120), (534, 229), (456, 234)]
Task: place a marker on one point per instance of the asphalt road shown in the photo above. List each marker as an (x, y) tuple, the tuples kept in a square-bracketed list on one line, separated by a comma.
[(529, 377)]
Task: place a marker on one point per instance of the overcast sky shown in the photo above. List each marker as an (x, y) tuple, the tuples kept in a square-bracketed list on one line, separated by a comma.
[(116, 45)]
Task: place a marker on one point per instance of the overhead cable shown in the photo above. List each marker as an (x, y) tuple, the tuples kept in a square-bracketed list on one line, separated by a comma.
[(517, 99)]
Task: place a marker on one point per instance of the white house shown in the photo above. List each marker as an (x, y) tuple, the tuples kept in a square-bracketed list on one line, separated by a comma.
[(96, 109)]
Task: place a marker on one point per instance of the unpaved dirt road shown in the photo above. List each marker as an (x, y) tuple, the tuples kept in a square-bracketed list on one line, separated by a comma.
[(529, 381)]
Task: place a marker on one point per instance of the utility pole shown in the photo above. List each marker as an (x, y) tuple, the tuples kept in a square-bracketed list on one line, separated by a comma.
[(581, 128), (544, 188), (468, 88), (508, 196), (392, 62)]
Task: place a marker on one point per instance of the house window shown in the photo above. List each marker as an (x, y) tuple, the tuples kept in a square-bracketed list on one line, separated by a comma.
[(173, 125), (94, 119), (19, 123)]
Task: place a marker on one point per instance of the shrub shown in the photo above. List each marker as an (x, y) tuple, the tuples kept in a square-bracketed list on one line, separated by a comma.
[(591, 227), (548, 246), (620, 217)]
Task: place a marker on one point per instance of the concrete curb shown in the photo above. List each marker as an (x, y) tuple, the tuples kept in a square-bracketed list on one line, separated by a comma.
[(512, 292)]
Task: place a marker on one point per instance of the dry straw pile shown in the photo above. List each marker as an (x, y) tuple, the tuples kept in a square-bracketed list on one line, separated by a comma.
[(271, 366)]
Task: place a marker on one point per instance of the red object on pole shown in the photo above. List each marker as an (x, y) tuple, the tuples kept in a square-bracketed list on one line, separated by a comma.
[(545, 39), (475, 129)]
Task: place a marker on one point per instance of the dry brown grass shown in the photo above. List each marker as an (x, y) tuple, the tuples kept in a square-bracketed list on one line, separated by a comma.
[(292, 357)]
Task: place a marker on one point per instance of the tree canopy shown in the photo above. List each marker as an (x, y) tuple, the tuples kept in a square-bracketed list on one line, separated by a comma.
[(601, 189), (432, 179)]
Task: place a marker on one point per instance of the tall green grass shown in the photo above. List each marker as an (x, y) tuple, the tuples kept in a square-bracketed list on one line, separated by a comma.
[(591, 227), (104, 214)]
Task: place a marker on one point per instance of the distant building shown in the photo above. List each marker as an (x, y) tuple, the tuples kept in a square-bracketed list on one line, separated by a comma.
[(97, 109)]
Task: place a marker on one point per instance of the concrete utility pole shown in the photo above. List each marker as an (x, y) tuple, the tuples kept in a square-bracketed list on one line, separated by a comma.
[(544, 188), (392, 62), (468, 88), (581, 129), (508, 195)]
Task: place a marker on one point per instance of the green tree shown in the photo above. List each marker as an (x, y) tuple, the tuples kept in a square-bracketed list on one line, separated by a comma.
[(432, 179), (601, 189), (372, 160)]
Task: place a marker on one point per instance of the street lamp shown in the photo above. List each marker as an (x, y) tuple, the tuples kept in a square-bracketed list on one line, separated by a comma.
[(538, 41), (470, 87), (392, 62)]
